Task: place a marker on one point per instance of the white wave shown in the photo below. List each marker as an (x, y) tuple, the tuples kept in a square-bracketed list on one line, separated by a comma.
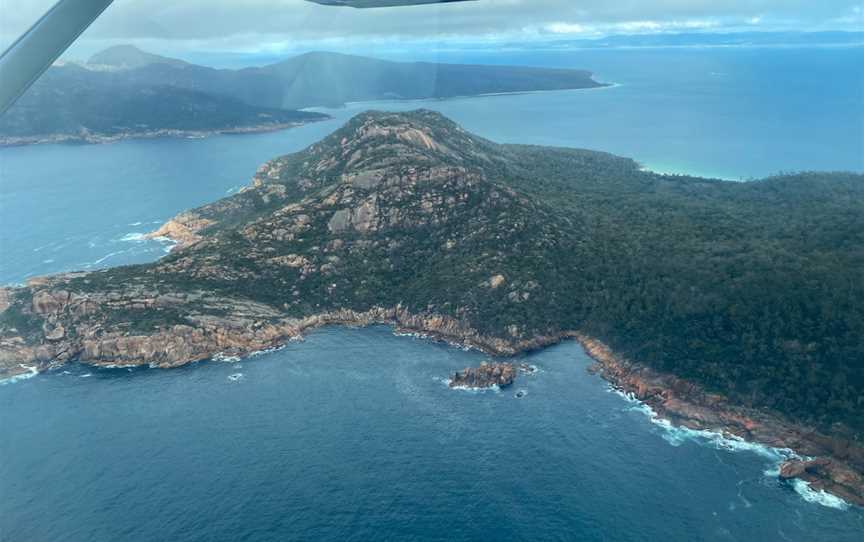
[(434, 338), (87, 375), (626, 395), (818, 496), (235, 377), (266, 351), (225, 358), (103, 258), (228, 358), (138, 237), (47, 261), (678, 435), (31, 372), (135, 224), (412, 334), (474, 389), (170, 244), (528, 369)]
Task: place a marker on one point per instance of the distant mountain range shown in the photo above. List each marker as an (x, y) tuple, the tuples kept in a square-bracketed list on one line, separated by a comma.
[(687, 39), (731, 39), (125, 92), (131, 57)]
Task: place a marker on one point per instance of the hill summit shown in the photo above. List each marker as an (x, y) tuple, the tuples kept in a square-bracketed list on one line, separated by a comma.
[(131, 57)]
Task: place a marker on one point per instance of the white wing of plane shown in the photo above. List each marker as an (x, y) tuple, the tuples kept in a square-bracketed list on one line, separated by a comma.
[(380, 3)]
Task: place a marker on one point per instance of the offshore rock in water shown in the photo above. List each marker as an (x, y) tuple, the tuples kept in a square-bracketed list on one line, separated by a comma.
[(824, 474), (485, 376)]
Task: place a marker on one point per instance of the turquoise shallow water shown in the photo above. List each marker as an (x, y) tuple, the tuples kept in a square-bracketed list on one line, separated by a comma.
[(352, 435)]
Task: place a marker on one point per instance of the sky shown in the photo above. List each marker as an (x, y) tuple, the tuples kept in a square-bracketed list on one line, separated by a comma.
[(271, 26)]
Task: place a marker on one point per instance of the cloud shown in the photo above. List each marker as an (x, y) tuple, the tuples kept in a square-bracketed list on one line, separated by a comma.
[(569, 28), (253, 25), (665, 26)]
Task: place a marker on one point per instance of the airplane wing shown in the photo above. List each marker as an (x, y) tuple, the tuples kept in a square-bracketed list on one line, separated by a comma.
[(380, 3), (31, 54)]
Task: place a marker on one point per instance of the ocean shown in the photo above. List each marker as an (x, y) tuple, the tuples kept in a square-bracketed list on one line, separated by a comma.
[(352, 434)]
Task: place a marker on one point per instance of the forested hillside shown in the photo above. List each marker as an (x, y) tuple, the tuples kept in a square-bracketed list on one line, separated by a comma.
[(755, 290)]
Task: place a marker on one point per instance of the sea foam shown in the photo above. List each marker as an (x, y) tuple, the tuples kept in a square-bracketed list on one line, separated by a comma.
[(678, 435), (818, 496), (225, 358), (31, 372), (134, 237)]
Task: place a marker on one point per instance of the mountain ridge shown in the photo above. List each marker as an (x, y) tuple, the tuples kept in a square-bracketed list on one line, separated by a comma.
[(130, 57), (69, 102)]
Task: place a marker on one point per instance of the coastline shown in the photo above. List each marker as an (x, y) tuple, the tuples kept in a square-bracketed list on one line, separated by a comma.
[(826, 463), (100, 139), (833, 465), (829, 464), (371, 103)]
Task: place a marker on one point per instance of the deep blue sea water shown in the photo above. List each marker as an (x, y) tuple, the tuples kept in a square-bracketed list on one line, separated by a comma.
[(351, 435)]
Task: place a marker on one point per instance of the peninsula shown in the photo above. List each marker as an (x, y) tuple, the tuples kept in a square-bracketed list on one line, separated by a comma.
[(123, 93), (729, 306)]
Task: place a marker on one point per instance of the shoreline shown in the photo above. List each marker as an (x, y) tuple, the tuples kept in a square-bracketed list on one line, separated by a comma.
[(599, 86), (829, 464), (98, 139), (169, 133)]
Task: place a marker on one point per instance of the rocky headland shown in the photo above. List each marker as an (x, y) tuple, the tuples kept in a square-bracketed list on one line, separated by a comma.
[(408, 220)]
